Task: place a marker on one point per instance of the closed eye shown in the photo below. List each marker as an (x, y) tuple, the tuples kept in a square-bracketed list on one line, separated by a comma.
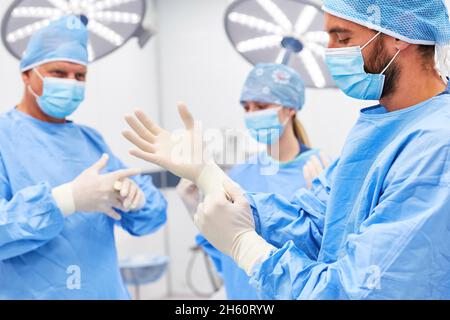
[(262, 106), (80, 76), (344, 41), (58, 73)]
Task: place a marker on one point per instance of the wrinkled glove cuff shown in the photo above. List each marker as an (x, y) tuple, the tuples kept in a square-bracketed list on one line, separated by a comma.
[(249, 250), (63, 196), (211, 179)]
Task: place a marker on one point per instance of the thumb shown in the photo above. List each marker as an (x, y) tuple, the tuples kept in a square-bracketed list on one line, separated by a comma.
[(233, 191), (185, 115), (101, 163)]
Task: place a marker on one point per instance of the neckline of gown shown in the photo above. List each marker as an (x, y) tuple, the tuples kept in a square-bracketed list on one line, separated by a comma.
[(44, 124), (366, 113)]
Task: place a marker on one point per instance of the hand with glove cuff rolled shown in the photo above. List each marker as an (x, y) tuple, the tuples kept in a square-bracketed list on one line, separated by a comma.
[(224, 217), (92, 191)]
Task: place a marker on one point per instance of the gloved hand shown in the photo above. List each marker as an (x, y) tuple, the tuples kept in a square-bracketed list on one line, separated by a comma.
[(315, 167), (183, 152), (131, 196), (92, 191), (226, 221), (190, 195)]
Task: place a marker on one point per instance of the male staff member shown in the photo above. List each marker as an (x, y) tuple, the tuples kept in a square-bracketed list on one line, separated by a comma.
[(58, 202), (376, 224)]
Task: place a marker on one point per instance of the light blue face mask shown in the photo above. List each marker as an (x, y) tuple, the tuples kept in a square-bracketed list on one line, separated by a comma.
[(264, 126), (60, 97), (346, 66)]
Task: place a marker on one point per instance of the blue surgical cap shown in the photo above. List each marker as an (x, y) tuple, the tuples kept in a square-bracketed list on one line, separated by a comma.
[(65, 39), (274, 83), (413, 21)]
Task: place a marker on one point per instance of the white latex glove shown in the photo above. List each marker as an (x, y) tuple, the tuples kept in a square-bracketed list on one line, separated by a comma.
[(131, 196), (315, 167), (227, 223), (189, 194), (92, 191), (183, 152)]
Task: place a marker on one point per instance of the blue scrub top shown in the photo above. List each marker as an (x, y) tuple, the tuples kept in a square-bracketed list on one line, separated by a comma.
[(44, 255), (376, 224), (261, 174)]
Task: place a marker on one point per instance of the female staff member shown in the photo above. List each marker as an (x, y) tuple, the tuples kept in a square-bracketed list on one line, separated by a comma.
[(271, 97)]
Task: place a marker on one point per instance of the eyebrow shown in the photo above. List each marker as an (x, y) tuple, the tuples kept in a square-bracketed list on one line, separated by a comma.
[(57, 69), (339, 30)]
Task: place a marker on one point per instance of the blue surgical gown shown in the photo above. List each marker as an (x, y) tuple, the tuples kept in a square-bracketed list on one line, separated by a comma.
[(260, 174), (41, 251), (376, 224)]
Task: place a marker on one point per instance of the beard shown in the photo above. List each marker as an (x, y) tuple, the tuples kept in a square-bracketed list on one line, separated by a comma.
[(378, 60)]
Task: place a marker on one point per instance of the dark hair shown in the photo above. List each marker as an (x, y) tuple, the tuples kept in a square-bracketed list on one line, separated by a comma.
[(427, 52)]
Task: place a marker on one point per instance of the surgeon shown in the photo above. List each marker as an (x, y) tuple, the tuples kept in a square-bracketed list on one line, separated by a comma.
[(271, 97), (61, 188), (375, 225)]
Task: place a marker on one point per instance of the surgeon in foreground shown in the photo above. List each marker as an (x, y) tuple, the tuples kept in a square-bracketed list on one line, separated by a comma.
[(61, 189), (376, 223)]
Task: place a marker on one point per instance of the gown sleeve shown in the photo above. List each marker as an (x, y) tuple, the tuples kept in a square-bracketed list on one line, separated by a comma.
[(301, 220), (400, 249), (279, 220), (28, 219)]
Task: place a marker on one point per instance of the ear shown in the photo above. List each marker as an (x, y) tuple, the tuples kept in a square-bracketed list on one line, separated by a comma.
[(292, 113), (26, 77), (401, 45)]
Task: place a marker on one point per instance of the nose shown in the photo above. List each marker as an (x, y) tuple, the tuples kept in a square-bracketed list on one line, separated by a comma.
[(250, 107), (72, 76), (332, 44)]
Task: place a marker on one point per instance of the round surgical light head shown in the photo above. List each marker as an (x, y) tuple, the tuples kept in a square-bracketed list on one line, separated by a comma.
[(288, 32), (111, 23)]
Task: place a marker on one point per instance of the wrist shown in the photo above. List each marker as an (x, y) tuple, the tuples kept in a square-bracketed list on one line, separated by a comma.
[(63, 196), (249, 250)]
